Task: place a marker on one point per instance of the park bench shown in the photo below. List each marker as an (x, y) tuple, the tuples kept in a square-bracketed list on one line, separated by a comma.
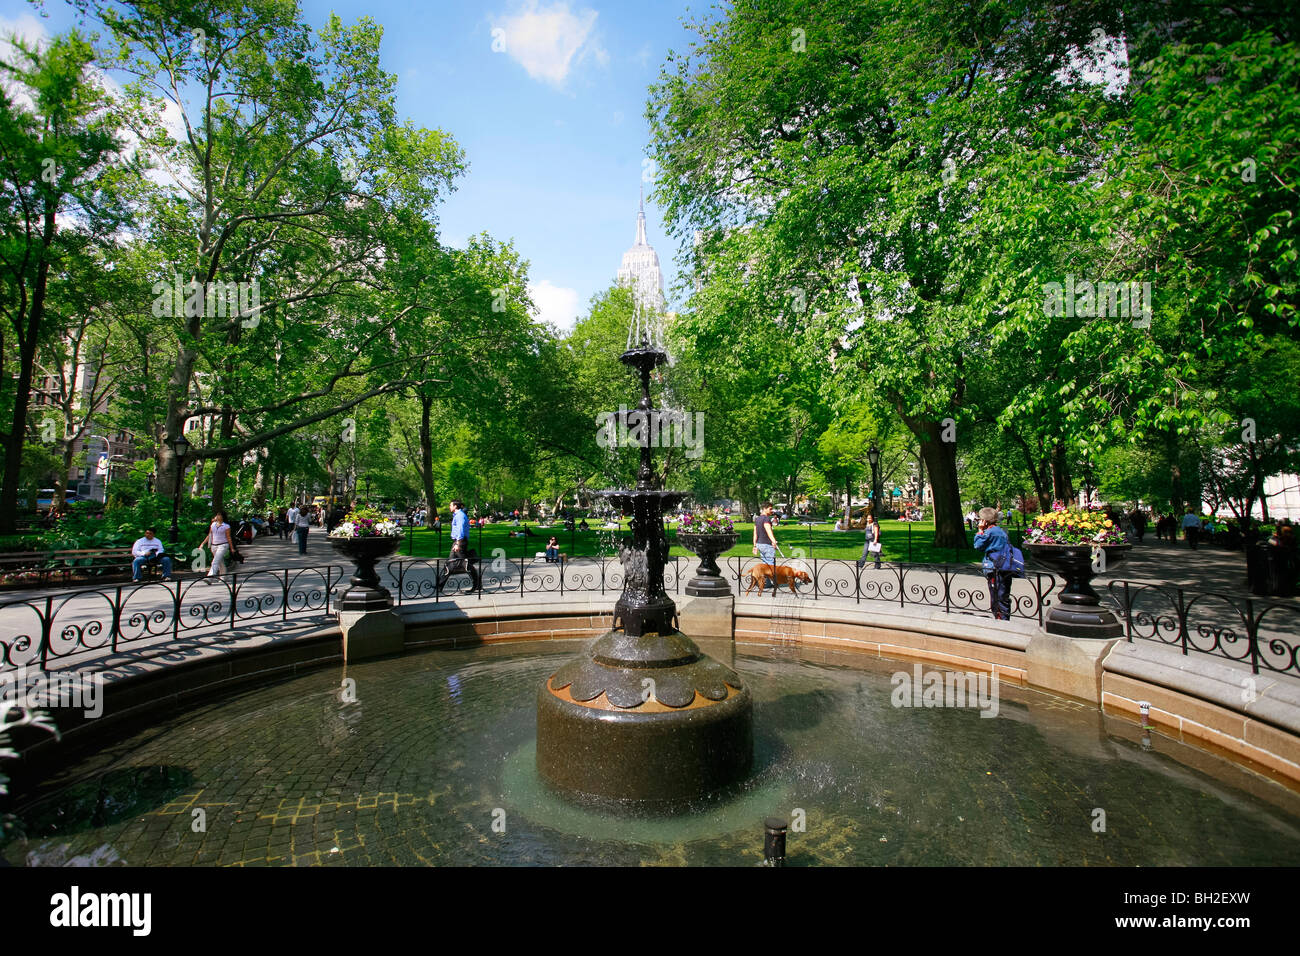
[(541, 556), (41, 568)]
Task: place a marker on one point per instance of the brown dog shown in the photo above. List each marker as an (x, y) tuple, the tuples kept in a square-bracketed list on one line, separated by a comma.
[(778, 575)]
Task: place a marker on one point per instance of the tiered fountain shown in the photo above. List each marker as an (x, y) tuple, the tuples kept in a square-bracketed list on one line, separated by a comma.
[(643, 716)]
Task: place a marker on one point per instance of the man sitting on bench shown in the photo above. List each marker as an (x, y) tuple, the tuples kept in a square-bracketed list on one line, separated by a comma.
[(149, 550)]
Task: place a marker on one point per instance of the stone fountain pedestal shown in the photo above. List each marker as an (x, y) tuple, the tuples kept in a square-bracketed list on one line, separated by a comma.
[(650, 719), (643, 716)]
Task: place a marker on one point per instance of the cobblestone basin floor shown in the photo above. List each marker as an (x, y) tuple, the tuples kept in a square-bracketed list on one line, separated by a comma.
[(427, 759)]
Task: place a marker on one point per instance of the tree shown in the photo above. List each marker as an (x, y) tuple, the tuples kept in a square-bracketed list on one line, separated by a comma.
[(61, 163), (841, 161), (292, 172)]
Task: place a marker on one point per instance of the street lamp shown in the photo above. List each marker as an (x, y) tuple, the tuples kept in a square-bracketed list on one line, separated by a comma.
[(180, 446), (873, 456), (367, 489)]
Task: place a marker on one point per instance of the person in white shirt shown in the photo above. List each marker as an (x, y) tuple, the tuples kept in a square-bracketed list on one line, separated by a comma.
[(292, 518), (1191, 528), (146, 549), (302, 524), (218, 540)]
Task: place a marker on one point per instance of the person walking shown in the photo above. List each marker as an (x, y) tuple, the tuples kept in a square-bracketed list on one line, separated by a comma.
[(291, 521), (302, 524), (1139, 520), (995, 544), (218, 540), (1191, 528), (460, 560), (764, 536), (872, 545)]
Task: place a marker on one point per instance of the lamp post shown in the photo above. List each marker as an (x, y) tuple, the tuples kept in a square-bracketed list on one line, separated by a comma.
[(180, 446), (367, 489), (873, 456)]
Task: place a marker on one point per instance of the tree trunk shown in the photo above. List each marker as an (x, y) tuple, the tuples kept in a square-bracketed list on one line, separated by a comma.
[(221, 466), (259, 483), (949, 529), (1062, 485), (426, 458), (23, 386)]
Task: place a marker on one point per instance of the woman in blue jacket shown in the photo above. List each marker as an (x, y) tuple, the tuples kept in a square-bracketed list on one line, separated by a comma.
[(995, 544)]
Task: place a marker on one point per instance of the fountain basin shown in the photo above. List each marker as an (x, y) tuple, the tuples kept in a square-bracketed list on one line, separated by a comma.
[(440, 745)]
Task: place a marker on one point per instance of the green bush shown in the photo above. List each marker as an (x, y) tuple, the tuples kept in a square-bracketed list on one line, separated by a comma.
[(123, 522)]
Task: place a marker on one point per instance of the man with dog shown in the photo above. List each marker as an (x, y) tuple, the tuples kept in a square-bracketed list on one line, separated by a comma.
[(764, 536), (995, 544)]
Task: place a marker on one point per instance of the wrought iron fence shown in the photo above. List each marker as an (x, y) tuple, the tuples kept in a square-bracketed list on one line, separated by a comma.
[(416, 579), (959, 589), (43, 630), (39, 631), (1212, 622)]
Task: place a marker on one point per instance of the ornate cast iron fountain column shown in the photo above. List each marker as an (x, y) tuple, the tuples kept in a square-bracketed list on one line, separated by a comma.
[(643, 716)]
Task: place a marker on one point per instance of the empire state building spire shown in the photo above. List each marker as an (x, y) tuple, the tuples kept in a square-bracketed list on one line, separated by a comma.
[(640, 222), (640, 268)]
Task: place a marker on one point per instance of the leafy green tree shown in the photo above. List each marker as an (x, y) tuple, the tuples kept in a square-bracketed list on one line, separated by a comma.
[(840, 162), (293, 171), (61, 196)]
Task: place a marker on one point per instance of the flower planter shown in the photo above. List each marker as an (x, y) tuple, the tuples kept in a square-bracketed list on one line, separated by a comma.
[(1079, 612), (364, 592), (708, 580)]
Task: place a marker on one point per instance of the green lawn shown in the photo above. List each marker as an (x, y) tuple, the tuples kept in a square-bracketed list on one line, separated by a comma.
[(904, 542)]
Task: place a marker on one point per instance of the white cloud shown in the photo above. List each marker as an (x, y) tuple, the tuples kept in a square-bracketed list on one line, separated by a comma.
[(556, 305), (547, 40), (33, 32)]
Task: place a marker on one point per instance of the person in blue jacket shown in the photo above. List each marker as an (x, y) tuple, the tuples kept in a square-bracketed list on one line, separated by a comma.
[(995, 544)]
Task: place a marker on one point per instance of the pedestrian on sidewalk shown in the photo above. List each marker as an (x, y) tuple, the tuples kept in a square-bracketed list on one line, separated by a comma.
[(302, 524), (218, 540), (1191, 528), (872, 544), (764, 536), (1138, 518), (995, 544)]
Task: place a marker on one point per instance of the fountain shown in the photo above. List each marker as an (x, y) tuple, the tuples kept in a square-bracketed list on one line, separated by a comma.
[(644, 717)]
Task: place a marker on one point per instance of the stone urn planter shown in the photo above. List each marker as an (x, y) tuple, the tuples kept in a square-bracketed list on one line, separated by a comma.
[(364, 592), (708, 580), (1079, 611)]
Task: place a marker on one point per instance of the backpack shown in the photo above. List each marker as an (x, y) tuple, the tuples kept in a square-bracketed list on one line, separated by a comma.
[(1011, 560)]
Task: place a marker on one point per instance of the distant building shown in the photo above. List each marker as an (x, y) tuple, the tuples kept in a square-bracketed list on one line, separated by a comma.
[(103, 453), (640, 270)]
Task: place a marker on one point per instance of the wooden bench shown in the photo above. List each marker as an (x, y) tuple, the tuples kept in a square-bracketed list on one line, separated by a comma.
[(541, 556), (25, 568)]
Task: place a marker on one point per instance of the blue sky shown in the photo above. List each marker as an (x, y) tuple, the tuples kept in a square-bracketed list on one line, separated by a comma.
[(552, 125)]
